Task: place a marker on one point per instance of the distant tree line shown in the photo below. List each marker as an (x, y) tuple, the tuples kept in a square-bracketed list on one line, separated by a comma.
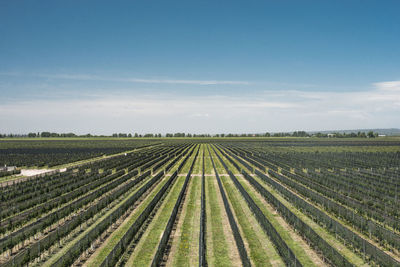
[(186, 135), (49, 134), (369, 134), (46, 134), (136, 135)]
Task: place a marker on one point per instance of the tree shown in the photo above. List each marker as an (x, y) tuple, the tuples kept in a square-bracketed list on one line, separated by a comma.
[(45, 134), (129, 135), (68, 135), (32, 135), (371, 134), (179, 135)]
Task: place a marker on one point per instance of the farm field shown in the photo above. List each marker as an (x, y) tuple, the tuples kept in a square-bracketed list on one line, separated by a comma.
[(203, 202)]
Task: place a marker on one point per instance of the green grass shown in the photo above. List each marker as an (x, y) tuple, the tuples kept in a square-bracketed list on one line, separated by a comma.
[(262, 252), (219, 256), (197, 168), (218, 165), (61, 252), (143, 254), (298, 250), (188, 241), (207, 162), (325, 234), (114, 238), (328, 237), (188, 163), (227, 162), (175, 167)]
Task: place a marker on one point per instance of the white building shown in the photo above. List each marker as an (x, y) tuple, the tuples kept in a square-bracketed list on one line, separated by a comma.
[(7, 169)]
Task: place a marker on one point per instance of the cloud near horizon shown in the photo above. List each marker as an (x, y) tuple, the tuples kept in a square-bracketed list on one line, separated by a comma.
[(388, 86), (260, 112)]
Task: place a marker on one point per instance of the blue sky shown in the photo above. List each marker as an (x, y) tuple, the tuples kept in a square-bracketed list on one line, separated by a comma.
[(198, 66)]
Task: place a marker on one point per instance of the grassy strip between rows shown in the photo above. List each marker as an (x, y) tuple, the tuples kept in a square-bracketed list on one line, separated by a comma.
[(325, 234), (345, 251), (218, 165), (262, 252), (177, 164), (188, 241), (188, 163), (299, 251), (208, 168), (197, 168), (143, 254), (61, 252), (219, 256), (114, 238)]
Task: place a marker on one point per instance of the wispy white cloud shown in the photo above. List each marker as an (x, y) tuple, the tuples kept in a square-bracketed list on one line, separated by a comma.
[(388, 86), (90, 77), (128, 112), (262, 111), (198, 82)]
